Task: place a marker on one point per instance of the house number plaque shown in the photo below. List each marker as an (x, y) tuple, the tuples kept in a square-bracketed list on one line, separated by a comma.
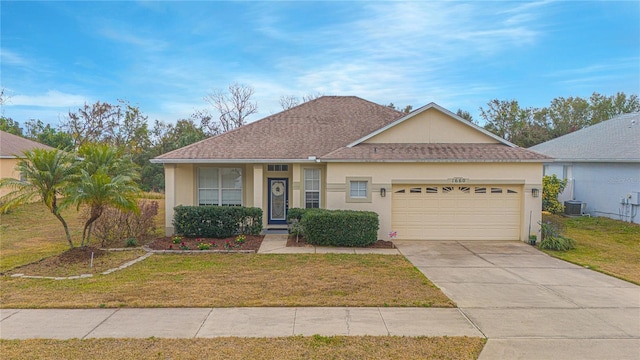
[(458, 180)]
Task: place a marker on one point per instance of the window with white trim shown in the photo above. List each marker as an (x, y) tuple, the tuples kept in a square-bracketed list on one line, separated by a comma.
[(311, 188), (220, 186), (358, 189)]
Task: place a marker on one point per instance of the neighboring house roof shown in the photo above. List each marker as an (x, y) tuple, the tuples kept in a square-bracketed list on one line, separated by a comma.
[(12, 146), (614, 140), (333, 128)]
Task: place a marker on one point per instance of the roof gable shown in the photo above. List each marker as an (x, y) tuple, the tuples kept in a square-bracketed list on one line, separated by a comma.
[(614, 140), (431, 124), (12, 146)]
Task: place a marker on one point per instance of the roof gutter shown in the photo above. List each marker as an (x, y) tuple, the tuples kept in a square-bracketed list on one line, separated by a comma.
[(436, 161), (562, 160), (311, 159)]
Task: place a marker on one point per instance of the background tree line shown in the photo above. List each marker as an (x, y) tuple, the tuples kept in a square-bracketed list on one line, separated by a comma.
[(127, 128), (527, 126)]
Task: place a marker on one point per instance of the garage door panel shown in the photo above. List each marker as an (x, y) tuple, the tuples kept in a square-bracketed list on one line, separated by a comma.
[(490, 212)]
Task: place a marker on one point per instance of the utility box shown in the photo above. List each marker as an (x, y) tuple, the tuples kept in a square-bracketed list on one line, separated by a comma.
[(573, 208), (635, 198)]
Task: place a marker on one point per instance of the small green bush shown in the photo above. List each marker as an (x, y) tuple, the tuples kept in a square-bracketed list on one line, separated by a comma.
[(340, 227), (131, 242), (217, 221)]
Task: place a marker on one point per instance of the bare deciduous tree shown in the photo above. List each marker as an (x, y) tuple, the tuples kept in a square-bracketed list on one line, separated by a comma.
[(92, 123), (289, 101), (309, 97), (234, 105)]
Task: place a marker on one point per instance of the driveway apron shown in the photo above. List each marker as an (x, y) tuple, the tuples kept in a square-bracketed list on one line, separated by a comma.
[(530, 305)]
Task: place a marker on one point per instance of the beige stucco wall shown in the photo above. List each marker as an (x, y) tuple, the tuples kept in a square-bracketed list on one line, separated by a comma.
[(8, 170), (431, 126), (383, 175), (181, 185)]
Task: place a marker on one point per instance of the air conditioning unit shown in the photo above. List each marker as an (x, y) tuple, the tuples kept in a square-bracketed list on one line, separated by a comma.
[(573, 208)]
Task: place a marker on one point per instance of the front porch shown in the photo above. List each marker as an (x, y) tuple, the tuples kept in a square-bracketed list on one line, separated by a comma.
[(273, 187)]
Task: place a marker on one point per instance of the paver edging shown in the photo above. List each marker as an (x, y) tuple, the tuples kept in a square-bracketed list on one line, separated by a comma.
[(84, 276)]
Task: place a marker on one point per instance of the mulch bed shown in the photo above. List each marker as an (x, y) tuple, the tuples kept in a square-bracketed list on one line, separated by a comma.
[(302, 242), (79, 254), (252, 242)]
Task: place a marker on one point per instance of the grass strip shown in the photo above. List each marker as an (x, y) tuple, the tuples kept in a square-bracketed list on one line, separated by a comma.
[(606, 245), (312, 347)]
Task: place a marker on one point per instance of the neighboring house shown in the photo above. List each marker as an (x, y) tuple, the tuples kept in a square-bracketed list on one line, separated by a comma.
[(430, 175), (602, 165), (12, 148)]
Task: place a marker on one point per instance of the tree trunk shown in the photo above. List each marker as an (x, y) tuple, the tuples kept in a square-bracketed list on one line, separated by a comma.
[(56, 213), (66, 229), (86, 232)]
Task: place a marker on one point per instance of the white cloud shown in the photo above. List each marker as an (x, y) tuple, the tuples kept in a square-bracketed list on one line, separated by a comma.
[(51, 98), (121, 35), (8, 57)]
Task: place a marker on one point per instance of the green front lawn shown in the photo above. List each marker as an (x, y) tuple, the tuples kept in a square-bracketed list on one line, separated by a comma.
[(606, 245), (229, 280)]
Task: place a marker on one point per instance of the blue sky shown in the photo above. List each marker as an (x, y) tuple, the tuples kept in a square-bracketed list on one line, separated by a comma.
[(166, 56)]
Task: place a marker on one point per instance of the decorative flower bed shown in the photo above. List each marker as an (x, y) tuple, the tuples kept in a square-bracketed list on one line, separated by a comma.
[(237, 243)]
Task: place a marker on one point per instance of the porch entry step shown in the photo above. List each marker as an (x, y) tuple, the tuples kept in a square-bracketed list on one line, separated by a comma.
[(275, 231)]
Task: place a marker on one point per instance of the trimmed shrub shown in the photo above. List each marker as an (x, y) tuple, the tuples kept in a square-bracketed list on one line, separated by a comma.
[(217, 221), (115, 226), (340, 227), (294, 218)]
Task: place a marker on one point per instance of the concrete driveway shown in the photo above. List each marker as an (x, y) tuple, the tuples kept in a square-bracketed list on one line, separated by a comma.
[(530, 305)]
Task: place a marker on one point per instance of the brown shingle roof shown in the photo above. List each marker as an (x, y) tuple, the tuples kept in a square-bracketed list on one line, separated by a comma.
[(434, 153), (314, 128), (14, 145), (324, 128)]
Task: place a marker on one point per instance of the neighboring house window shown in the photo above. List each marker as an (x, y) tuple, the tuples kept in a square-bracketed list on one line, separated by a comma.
[(311, 188), (358, 189), (220, 186)]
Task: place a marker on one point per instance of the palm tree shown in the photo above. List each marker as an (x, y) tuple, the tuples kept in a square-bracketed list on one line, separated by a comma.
[(46, 173), (106, 178)]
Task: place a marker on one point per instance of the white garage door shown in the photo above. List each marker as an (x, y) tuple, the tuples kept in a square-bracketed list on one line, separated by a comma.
[(456, 212)]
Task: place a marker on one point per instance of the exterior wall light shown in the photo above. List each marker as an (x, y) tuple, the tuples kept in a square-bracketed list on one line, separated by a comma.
[(383, 192), (535, 192)]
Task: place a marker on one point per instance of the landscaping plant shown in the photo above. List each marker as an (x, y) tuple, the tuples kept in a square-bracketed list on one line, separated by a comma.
[(115, 224), (552, 238), (551, 188)]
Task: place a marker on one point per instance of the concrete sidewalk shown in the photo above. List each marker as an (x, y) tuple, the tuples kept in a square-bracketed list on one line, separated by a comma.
[(222, 322)]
